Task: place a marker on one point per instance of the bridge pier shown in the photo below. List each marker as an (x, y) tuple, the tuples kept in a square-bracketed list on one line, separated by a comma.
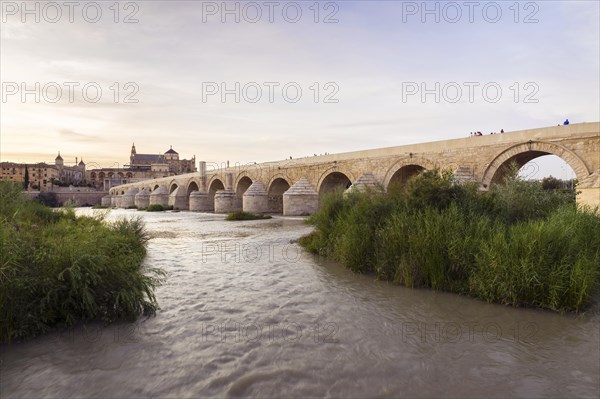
[(119, 201), (160, 196), (142, 199), (589, 197), (200, 202), (113, 200), (178, 199), (105, 201), (255, 199), (226, 201), (366, 182), (589, 191), (128, 198), (301, 199)]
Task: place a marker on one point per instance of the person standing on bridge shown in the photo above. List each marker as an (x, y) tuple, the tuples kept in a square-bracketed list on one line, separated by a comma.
[(566, 122)]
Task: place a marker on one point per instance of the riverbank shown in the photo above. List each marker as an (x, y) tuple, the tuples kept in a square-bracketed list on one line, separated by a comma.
[(519, 244), (58, 269)]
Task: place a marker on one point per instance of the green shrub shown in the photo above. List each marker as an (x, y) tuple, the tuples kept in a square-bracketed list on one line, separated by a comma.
[(517, 200), (518, 244), (355, 232), (551, 263), (71, 204), (48, 198), (431, 188), (57, 269)]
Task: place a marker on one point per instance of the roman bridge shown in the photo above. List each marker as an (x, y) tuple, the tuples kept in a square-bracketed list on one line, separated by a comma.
[(293, 187)]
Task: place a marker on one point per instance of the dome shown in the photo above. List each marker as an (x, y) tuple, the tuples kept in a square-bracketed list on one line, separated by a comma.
[(171, 151)]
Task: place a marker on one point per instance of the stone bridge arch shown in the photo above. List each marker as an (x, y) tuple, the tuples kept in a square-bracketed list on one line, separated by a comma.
[(254, 171), (219, 179), (522, 153), (405, 168), (216, 183), (173, 185), (278, 185), (333, 178), (242, 183), (192, 185)]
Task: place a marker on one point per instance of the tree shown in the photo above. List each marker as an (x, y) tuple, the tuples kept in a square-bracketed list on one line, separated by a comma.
[(48, 198), (26, 179), (552, 183)]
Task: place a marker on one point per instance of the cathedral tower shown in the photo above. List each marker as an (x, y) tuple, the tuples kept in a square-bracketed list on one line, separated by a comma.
[(132, 156)]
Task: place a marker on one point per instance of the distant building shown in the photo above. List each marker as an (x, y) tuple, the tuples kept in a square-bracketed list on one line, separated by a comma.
[(48, 177), (43, 176), (141, 167), (70, 174), (169, 161)]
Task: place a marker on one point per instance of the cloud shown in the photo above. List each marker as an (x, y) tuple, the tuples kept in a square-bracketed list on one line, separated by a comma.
[(391, 122), (72, 136), (369, 53)]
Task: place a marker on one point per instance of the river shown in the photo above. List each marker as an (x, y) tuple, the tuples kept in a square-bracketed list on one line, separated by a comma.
[(246, 312)]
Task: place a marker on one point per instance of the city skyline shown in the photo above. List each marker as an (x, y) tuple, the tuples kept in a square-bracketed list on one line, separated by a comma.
[(372, 75)]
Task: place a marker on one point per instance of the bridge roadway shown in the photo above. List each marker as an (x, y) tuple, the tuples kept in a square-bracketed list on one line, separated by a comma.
[(293, 187)]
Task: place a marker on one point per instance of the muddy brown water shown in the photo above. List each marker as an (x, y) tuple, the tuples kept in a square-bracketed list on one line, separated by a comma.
[(246, 312)]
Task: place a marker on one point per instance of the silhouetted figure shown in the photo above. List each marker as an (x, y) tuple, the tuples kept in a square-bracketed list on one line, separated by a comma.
[(566, 122), (502, 131)]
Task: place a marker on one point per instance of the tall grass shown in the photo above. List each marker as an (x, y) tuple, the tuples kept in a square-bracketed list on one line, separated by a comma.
[(518, 244), (552, 262), (57, 269)]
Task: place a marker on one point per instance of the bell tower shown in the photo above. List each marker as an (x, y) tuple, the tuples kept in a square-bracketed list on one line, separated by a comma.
[(132, 156), (58, 161)]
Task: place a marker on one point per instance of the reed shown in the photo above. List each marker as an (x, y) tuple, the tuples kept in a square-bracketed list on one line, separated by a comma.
[(57, 269), (519, 244)]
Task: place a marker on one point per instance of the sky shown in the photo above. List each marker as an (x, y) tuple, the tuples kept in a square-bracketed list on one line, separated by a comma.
[(261, 81)]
